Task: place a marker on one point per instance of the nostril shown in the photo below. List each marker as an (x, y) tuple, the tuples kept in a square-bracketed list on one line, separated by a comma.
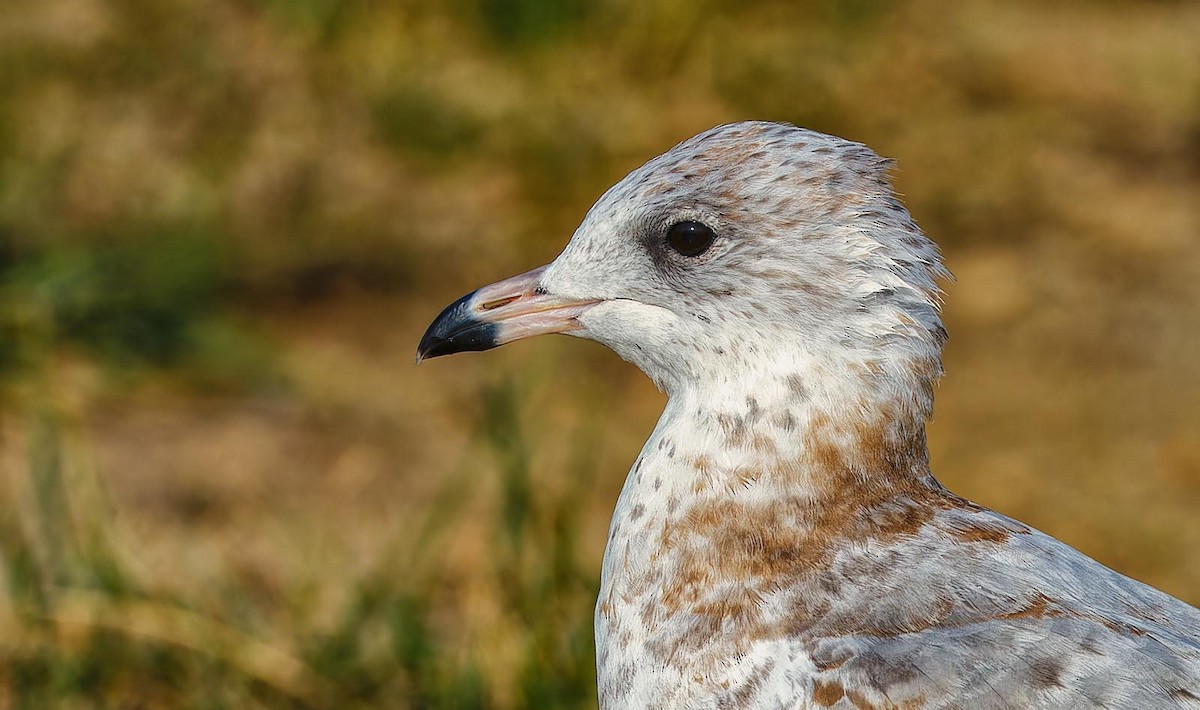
[(492, 305)]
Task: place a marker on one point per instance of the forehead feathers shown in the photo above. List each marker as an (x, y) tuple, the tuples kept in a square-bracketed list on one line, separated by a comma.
[(757, 170)]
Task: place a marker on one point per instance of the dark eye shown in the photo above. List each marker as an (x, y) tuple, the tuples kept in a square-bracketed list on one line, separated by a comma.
[(690, 238)]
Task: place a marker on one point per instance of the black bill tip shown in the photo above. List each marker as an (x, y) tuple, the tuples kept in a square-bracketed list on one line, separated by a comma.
[(457, 330)]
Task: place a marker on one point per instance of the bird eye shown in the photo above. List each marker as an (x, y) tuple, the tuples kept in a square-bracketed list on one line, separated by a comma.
[(690, 238)]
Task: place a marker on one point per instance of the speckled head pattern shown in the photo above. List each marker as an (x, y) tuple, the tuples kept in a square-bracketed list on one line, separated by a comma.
[(814, 258)]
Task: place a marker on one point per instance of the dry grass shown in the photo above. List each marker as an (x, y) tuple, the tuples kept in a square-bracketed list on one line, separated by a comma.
[(224, 225)]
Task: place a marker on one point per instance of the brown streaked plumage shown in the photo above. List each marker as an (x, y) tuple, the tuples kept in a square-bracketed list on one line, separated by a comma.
[(780, 541)]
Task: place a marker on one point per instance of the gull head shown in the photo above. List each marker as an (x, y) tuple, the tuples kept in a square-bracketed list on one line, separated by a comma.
[(750, 252)]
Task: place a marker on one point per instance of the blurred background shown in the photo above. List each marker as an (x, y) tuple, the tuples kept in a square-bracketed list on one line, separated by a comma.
[(224, 225)]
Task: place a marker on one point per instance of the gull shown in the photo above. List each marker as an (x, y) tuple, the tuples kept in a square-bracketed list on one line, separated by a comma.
[(780, 541)]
